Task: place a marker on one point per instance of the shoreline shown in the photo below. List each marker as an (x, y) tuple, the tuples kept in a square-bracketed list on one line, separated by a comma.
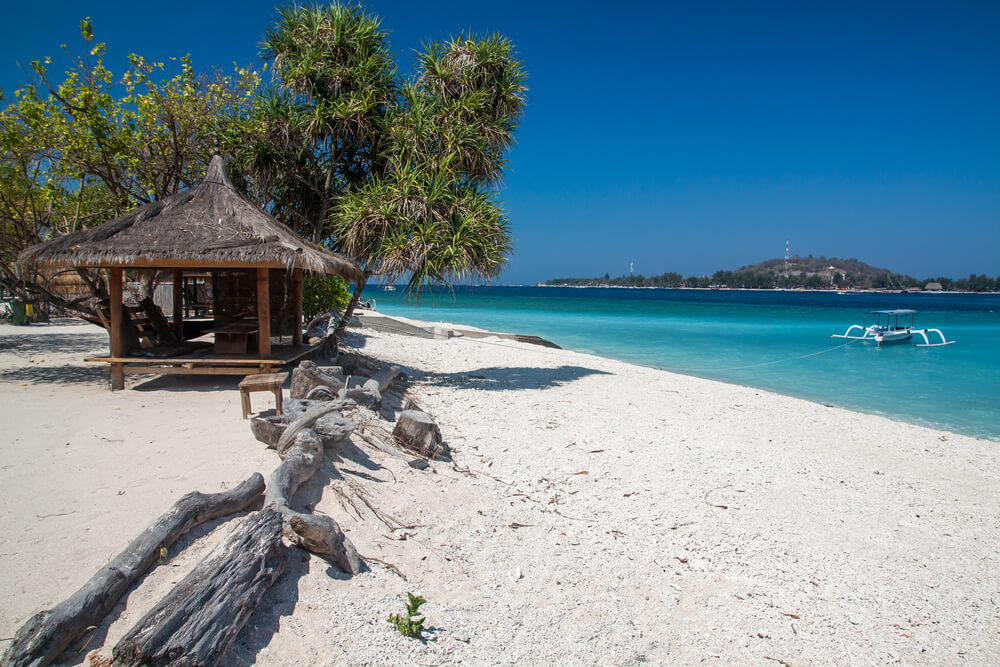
[(410, 324), (596, 511), (759, 289)]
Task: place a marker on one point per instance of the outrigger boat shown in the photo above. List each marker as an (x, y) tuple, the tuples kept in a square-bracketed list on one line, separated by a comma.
[(892, 326)]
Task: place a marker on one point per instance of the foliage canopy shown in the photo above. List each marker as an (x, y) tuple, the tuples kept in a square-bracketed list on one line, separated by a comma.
[(399, 173)]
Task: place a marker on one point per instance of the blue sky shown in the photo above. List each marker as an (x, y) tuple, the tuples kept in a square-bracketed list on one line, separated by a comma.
[(687, 137)]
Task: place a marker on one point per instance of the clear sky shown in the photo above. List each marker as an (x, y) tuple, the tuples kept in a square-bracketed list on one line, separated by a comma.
[(687, 136)]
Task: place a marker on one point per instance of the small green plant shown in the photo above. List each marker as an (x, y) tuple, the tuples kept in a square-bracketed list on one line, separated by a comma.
[(163, 554), (412, 624)]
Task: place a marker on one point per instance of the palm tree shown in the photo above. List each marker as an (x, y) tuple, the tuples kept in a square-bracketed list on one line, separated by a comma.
[(321, 125), (402, 176)]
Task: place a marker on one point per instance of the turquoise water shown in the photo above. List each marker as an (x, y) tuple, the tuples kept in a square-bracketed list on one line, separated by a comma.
[(778, 341)]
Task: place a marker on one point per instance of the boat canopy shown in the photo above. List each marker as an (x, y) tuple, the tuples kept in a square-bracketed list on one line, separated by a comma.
[(902, 311)]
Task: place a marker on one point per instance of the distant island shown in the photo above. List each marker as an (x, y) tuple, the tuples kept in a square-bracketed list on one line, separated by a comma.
[(797, 273)]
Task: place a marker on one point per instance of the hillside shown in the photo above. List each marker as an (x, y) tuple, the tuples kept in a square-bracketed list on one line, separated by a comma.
[(802, 272), (810, 264)]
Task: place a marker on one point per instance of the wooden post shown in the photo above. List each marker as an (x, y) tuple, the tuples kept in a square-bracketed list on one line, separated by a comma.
[(117, 320), (179, 304), (297, 307), (263, 314)]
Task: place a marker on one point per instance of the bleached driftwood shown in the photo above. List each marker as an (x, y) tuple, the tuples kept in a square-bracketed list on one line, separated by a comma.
[(319, 326), (308, 376), (306, 420), (333, 428), (317, 533), (416, 431), (369, 391), (48, 633), (301, 452), (198, 620)]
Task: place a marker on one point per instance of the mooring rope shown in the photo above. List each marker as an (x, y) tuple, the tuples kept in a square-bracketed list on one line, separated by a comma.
[(763, 363)]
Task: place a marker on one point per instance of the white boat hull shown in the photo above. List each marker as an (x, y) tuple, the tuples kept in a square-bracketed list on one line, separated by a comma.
[(892, 336)]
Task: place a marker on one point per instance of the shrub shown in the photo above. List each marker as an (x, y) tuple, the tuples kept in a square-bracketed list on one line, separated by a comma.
[(323, 294)]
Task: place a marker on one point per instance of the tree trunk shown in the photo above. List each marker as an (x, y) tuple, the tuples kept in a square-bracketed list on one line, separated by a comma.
[(305, 421), (146, 279), (418, 432), (355, 299), (32, 291), (48, 633), (198, 620), (333, 429)]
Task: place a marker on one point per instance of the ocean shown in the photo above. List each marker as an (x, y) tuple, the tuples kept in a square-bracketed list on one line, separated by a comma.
[(774, 340)]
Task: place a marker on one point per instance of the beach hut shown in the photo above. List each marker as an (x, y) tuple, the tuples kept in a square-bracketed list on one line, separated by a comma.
[(254, 262)]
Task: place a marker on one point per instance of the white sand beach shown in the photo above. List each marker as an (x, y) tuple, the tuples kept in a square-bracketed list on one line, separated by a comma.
[(597, 512)]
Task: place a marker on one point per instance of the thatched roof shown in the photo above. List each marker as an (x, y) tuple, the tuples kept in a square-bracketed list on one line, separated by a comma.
[(210, 225)]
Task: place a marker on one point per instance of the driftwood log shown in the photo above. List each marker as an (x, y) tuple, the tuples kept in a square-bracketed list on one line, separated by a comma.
[(369, 390), (299, 436), (333, 428), (415, 430), (198, 620), (307, 376), (48, 633), (317, 533), (310, 381), (306, 420)]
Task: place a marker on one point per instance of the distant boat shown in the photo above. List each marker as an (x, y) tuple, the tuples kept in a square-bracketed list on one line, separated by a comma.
[(892, 326), (388, 288)]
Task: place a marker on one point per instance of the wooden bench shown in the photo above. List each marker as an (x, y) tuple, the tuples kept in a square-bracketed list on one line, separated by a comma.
[(261, 382)]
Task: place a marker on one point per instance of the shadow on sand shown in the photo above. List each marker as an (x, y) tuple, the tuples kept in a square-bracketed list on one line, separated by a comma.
[(36, 374), (30, 345), (183, 382), (508, 379), (33, 349)]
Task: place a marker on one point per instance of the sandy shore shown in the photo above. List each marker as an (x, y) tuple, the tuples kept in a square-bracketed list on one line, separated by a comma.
[(597, 513)]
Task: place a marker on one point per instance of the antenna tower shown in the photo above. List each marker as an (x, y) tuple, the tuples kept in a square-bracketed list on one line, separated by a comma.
[(786, 257)]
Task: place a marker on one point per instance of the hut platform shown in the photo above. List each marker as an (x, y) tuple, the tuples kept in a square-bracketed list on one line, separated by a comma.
[(204, 361)]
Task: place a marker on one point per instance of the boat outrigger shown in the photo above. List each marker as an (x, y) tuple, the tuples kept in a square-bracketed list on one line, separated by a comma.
[(893, 326)]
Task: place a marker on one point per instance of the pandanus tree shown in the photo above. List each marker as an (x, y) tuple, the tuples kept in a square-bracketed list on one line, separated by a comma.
[(400, 175)]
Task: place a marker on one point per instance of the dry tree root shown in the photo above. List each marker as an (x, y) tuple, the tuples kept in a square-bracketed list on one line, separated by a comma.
[(388, 566), (369, 391)]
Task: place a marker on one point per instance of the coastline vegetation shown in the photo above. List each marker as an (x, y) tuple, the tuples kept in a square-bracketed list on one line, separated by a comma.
[(811, 273)]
